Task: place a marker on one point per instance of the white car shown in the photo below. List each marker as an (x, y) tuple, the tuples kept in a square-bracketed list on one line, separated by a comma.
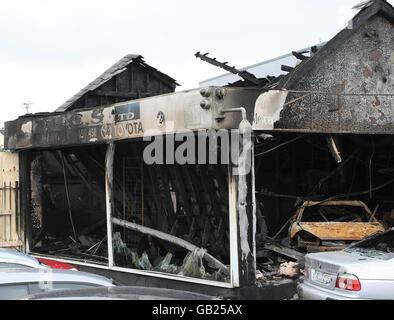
[(15, 259), (17, 283), (364, 270), (121, 293)]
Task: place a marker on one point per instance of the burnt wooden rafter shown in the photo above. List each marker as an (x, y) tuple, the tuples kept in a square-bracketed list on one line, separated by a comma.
[(299, 55)]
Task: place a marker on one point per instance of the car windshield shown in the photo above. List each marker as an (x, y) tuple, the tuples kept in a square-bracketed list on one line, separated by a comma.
[(380, 246), (334, 213)]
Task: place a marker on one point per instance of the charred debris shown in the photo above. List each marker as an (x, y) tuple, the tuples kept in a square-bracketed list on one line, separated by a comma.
[(341, 175), (152, 227), (166, 218)]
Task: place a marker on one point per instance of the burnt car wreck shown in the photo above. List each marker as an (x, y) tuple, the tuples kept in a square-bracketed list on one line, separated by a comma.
[(332, 225), (320, 134)]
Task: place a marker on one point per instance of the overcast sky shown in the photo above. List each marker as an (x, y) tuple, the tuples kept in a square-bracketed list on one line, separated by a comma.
[(49, 50)]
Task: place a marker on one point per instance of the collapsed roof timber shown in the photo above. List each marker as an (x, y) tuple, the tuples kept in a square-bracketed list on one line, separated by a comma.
[(88, 196)]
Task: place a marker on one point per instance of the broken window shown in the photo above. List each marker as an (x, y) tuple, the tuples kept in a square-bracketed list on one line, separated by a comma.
[(334, 213), (170, 218), (379, 246), (72, 196), (165, 218)]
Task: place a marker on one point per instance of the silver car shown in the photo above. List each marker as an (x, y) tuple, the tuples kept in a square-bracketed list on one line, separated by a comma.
[(17, 283), (364, 270), (14, 259), (121, 293)]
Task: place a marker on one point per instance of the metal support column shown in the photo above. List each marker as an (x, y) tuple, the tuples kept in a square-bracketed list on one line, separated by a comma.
[(233, 226), (242, 190), (109, 198)]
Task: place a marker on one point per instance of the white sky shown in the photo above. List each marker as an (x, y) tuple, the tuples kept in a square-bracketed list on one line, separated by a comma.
[(49, 50)]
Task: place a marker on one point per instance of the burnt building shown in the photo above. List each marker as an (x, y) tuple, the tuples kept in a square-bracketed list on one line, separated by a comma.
[(344, 93), (322, 131)]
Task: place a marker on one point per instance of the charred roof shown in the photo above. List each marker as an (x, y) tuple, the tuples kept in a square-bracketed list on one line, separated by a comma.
[(129, 78), (368, 10)]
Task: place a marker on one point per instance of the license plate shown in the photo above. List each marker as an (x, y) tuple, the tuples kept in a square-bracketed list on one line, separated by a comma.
[(319, 276)]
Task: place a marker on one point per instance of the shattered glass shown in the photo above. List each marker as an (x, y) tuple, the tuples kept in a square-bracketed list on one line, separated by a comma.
[(371, 253), (123, 255), (192, 265), (380, 246)]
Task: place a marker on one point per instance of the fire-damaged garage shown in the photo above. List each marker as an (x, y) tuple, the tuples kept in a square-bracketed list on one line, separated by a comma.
[(214, 189)]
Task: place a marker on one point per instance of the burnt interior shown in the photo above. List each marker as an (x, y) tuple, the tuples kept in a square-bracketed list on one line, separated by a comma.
[(305, 170), (293, 168), (186, 201), (71, 182), (190, 202)]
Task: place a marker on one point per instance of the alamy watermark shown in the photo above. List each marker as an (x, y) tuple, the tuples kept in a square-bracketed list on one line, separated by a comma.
[(200, 147)]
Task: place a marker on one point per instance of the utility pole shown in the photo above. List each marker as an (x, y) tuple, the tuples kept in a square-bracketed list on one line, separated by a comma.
[(27, 105)]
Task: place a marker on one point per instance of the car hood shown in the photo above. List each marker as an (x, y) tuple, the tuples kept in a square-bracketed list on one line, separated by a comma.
[(352, 231)]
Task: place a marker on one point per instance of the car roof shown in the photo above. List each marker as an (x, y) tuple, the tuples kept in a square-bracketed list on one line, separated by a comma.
[(8, 276), (120, 293), (9, 255), (355, 203)]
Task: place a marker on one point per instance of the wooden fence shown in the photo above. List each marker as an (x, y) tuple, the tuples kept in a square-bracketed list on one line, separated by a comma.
[(10, 221)]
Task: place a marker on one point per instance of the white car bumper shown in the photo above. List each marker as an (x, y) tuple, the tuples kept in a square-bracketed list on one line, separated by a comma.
[(308, 291)]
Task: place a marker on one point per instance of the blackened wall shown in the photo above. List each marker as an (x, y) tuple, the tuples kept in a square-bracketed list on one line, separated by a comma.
[(361, 64)]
